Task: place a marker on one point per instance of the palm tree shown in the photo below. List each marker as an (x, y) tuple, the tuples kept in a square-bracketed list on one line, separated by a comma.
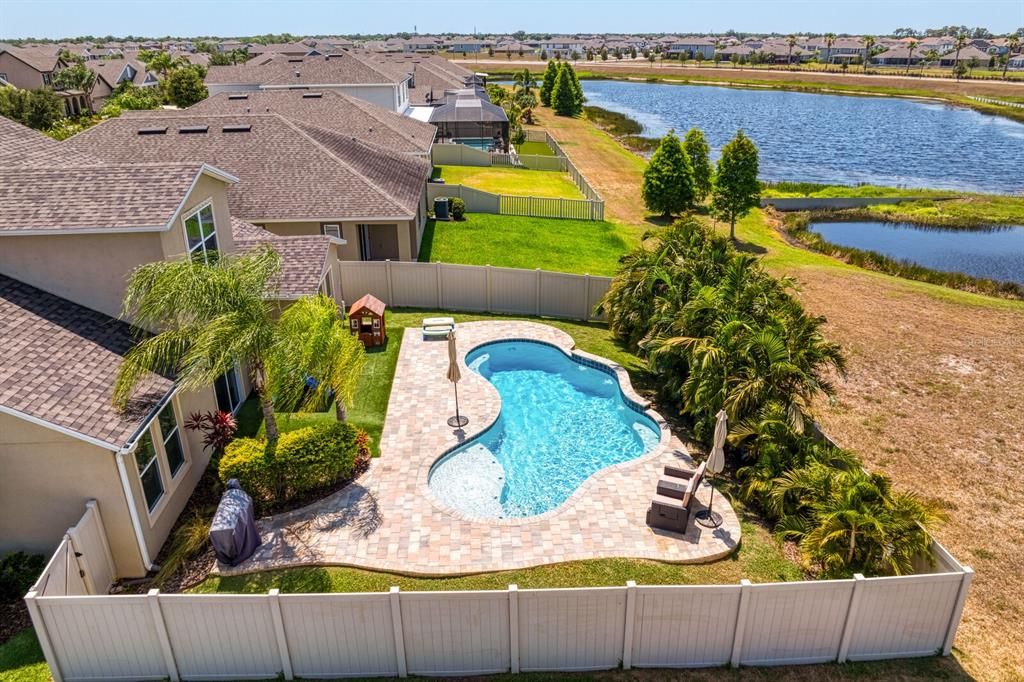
[(869, 42), (911, 46), (1012, 45), (161, 64), (931, 57), (791, 42), (830, 40), (212, 314), (325, 365), (960, 43)]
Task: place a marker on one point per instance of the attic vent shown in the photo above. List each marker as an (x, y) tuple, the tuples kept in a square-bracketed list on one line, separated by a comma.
[(296, 60), (152, 131), (237, 129), (312, 95), (187, 130), (238, 96)]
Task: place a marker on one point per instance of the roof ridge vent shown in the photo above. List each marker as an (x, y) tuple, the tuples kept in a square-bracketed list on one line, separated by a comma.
[(240, 128), (186, 130), (153, 131), (312, 95), (242, 96)]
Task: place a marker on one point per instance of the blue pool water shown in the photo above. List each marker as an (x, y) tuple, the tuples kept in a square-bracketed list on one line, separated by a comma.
[(560, 422)]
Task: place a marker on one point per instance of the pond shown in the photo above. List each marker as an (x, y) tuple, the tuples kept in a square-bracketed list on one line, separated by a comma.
[(835, 139), (992, 253)]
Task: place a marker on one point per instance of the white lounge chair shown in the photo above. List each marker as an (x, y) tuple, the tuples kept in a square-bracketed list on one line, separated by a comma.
[(437, 326)]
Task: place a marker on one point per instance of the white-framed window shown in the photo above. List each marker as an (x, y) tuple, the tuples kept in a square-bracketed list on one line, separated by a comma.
[(229, 391), (171, 436), (201, 232), (149, 470), (331, 230)]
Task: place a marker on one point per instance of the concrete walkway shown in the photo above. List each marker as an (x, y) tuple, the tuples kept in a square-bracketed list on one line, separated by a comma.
[(389, 520)]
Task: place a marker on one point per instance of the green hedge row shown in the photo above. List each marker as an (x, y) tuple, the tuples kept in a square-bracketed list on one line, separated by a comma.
[(301, 461)]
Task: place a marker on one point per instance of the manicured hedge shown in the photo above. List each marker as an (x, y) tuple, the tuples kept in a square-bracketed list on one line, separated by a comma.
[(302, 460), (458, 208), (18, 571)]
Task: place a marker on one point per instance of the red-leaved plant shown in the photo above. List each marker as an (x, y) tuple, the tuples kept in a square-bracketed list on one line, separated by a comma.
[(218, 428), (363, 453)]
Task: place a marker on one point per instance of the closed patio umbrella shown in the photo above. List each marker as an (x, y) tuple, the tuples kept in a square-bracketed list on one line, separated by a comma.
[(715, 465), (454, 375)]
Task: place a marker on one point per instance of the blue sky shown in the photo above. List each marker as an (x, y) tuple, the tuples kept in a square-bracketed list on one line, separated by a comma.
[(60, 18)]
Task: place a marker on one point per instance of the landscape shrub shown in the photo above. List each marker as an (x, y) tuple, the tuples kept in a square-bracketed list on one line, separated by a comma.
[(18, 572), (301, 461), (458, 208), (719, 332)]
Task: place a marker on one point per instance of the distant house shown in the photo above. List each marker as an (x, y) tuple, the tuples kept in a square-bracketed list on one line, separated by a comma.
[(565, 45), (689, 48), (110, 73), (466, 45), (31, 68), (966, 55), (429, 75), (898, 56), (1016, 61), (342, 72)]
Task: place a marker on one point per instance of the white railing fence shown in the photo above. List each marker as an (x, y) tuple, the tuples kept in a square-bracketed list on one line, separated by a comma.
[(479, 201), (174, 636), (475, 288)]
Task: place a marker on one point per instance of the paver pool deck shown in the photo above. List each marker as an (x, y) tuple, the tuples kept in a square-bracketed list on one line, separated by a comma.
[(389, 520)]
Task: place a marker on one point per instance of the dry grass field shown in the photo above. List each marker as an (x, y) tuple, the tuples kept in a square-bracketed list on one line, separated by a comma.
[(934, 397)]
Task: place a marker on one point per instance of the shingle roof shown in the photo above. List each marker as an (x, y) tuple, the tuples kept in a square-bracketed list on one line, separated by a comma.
[(287, 171), (432, 75), (110, 70), (329, 110), (303, 258), (93, 197), (341, 68), (41, 58), (59, 362), (22, 146)]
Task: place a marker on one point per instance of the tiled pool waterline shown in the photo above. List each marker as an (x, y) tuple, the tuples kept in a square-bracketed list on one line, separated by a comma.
[(561, 421), (390, 520)]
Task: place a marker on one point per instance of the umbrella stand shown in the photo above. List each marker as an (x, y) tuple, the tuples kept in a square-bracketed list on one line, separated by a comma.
[(706, 517), (458, 421)]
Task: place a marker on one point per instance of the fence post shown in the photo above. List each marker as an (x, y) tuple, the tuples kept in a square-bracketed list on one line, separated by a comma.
[(958, 610), (101, 529), (396, 622), (537, 302), (851, 618), (488, 272), (282, 638), (153, 598), (741, 621), (627, 639), (513, 627), (43, 636), (387, 271), (586, 296), (437, 271)]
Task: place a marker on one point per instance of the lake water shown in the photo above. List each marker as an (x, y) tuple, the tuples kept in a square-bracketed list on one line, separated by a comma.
[(835, 139), (995, 253)]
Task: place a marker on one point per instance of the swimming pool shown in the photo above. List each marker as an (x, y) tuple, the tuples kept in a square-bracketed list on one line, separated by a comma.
[(485, 144), (562, 419)]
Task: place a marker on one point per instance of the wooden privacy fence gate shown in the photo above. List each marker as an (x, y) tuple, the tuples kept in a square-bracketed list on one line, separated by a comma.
[(177, 636), (475, 288)]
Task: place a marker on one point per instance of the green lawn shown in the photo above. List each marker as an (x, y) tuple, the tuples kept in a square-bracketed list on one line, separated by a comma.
[(535, 149), (580, 246), (21, 659), (517, 181)]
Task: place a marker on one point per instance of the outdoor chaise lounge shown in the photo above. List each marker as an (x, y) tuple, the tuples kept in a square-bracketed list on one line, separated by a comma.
[(670, 507), (437, 326)]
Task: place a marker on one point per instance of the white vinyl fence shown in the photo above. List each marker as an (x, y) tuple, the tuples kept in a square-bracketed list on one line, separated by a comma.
[(479, 201), (198, 637), (475, 288)]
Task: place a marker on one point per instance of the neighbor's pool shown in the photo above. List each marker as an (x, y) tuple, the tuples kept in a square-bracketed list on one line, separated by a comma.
[(562, 419), (485, 144)]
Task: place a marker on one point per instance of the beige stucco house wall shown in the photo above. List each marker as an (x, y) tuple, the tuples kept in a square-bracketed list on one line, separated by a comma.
[(93, 269), (20, 74), (49, 476), (397, 240)]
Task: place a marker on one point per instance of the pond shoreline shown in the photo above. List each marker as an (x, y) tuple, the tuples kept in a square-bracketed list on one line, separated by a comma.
[(795, 228)]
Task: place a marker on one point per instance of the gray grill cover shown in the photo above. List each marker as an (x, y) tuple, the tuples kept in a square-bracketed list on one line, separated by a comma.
[(233, 531)]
